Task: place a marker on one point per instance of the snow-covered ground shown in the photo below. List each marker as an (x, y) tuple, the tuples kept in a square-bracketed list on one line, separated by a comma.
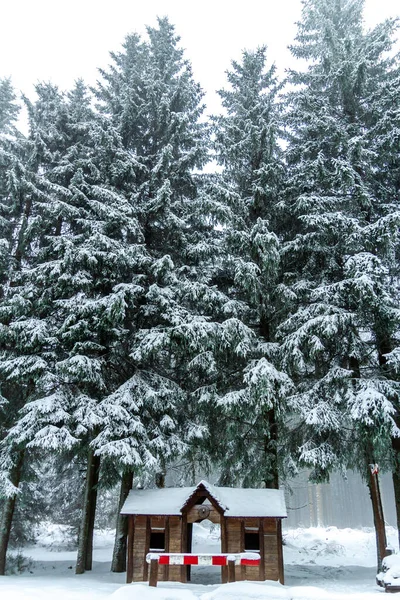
[(320, 564)]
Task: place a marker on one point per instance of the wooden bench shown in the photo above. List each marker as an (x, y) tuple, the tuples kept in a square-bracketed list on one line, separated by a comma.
[(251, 559)]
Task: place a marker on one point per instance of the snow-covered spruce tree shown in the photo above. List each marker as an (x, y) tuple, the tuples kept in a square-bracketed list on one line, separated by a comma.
[(26, 334), (27, 314), (19, 368), (253, 394), (85, 268), (150, 95), (384, 142), (152, 99), (336, 255)]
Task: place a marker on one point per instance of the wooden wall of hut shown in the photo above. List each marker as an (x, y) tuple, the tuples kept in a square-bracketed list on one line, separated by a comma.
[(153, 533), (170, 534), (261, 535)]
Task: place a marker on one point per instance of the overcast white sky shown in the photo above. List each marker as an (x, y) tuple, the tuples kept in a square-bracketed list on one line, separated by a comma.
[(62, 40)]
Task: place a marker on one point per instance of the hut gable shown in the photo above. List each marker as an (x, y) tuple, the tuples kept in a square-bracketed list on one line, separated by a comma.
[(204, 491)]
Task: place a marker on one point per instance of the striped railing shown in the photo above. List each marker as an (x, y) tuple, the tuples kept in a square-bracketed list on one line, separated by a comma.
[(249, 559)]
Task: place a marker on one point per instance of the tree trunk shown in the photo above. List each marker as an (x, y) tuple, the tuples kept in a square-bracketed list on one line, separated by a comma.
[(85, 543), (58, 226), (8, 512), (160, 480), (118, 564), (92, 513), (379, 521), (271, 479), (396, 479), (384, 347), (373, 485)]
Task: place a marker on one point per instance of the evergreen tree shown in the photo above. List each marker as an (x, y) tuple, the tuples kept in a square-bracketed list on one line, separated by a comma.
[(336, 255), (246, 145), (182, 323), (152, 99), (80, 279), (20, 368), (383, 138)]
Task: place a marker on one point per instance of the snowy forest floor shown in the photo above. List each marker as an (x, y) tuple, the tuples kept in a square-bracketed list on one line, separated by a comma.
[(320, 564)]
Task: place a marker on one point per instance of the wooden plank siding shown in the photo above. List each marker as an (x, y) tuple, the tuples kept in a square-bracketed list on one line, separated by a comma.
[(175, 545), (272, 547), (271, 556), (139, 548), (234, 541), (270, 525)]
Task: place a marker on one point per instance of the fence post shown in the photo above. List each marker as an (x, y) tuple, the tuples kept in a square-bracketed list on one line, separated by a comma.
[(153, 572), (231, 570)]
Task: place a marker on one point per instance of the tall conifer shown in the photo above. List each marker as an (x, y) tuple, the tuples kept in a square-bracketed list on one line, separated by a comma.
[(339, 251), (151, 97), (78, 282), (254, 393)]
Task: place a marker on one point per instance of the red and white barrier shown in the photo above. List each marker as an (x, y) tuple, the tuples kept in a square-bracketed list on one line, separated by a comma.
[(249, 559)]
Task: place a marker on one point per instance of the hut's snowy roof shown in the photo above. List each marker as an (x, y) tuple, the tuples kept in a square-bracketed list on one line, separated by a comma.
[(235, 502)]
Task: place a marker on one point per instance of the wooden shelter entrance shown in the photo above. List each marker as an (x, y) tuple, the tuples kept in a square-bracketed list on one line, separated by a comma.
[(196, 546), (161, 520), (200, 507)]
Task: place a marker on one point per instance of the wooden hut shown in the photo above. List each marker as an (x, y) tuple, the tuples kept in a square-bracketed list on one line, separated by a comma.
[(161, 520)]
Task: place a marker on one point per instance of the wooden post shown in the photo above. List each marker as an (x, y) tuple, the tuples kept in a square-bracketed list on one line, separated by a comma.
[(129, 568), (280, 552), (184, 545), (231, 570), (378, 514), (189, 538), (261, 568), (153, 572), (166, 548), (146, 549), (242, 568), (224, 547)]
